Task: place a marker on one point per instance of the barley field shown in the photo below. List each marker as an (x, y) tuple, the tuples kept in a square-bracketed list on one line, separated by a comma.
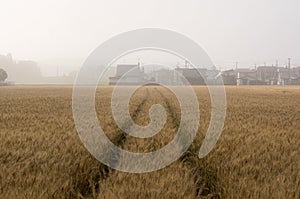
[(257, 155)]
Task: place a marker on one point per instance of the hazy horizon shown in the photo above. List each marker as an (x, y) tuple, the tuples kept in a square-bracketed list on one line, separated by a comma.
[(62, 34)]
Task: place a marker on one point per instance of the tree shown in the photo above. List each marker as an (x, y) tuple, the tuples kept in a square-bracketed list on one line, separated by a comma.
[(3, 75)]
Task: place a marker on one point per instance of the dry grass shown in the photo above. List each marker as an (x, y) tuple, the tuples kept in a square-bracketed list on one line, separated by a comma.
[(257, 156)]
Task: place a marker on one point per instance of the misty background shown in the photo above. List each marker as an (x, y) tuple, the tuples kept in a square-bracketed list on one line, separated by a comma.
[(54, 37)]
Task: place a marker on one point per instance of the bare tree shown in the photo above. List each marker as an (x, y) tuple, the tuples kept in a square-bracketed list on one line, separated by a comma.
[(3, 75)]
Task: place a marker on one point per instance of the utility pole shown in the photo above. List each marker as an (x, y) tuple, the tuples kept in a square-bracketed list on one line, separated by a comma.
[(278, 79), (186, 64), (256, 78), (236, 65), (289, 67)]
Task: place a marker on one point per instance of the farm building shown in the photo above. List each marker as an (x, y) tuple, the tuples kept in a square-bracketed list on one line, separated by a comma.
[(128, 74)]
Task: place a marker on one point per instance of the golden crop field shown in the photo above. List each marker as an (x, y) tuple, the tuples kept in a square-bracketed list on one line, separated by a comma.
[(257, 155)]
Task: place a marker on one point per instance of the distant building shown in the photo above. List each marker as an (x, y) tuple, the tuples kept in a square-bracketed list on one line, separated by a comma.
[(268, 74), (212, 76), (295, 76), (296, 71), (264, 75), (229, 77), (184, 76), (295, 81), (27, 72), (241, 76), (194, 76), (272, 75), (65, 79), (162, 76), (246, 77), (20, 71), (128, 74)]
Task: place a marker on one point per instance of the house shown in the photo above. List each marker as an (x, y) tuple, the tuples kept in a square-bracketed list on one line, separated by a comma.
[(128, 74), (241, 76), (194, 76), (246, 76), (162, 76), (296, 71), (271, 75)]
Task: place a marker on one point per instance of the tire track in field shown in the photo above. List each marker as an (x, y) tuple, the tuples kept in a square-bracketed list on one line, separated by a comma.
[(173, 181), (119, 140), (189, 159)]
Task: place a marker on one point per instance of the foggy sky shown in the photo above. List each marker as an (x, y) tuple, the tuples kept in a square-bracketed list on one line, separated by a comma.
[(63, 33)]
